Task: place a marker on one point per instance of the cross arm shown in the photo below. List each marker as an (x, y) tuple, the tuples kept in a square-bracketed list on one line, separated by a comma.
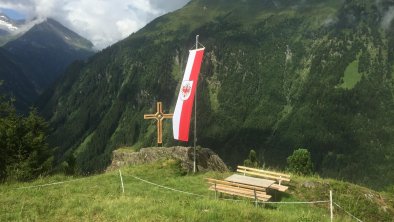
[(150, 116), (169, 116)]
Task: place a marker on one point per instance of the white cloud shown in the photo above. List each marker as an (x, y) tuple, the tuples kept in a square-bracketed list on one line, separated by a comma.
[(124, 26), (102, 21), (388, 18)]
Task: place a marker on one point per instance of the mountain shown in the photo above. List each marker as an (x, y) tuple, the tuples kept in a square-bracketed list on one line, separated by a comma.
[(43, 53), (277, 76), (46, 49)]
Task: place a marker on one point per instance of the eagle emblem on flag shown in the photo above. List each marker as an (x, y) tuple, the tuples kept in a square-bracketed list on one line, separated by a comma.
[(186, 89)]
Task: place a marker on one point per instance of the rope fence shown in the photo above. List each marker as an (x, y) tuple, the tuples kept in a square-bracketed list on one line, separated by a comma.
[(354, 217), (305, 202), (50, 184), (167, 188)]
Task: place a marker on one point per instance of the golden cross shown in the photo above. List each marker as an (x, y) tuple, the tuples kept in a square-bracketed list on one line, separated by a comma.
[(159, 116)]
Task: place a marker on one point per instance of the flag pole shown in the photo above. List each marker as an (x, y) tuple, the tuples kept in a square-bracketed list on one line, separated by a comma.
[(195, 120)]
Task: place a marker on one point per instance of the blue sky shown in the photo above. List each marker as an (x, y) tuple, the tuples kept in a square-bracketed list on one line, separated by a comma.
[(12, 13)]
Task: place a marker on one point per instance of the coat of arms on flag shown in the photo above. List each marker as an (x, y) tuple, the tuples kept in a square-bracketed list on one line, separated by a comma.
[(186, 89)]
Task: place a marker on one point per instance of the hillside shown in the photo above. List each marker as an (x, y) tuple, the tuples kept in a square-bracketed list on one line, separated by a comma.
[(277, 75), (14, 80), (100, 198)]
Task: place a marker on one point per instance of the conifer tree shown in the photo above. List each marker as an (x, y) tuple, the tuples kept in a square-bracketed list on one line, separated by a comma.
[(24, 152)]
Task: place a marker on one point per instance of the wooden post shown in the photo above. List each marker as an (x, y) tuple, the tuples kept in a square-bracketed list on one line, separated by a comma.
[(121, 181), (216, 193), (331, 207), (255, 197)]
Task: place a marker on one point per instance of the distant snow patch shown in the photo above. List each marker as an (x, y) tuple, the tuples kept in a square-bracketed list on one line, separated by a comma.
[(8, 26)]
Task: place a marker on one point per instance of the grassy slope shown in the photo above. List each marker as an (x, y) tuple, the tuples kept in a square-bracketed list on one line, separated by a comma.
[(351, 76), (99, 198)]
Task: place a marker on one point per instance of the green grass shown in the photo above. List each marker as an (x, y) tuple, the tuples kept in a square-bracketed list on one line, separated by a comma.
[(99, 198), (126, 149), (352, 76)]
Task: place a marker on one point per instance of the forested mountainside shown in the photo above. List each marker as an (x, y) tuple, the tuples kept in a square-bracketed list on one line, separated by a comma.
[(14, 81), (277, 75)]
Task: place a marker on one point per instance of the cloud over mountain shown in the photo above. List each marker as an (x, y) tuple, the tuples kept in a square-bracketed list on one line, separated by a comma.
[(102, 22)]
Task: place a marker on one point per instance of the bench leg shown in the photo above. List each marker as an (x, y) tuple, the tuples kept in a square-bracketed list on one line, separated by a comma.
[(216, 193), (255, 198)]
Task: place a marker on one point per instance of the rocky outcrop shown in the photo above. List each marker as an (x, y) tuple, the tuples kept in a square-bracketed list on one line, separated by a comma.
[(206, 159)]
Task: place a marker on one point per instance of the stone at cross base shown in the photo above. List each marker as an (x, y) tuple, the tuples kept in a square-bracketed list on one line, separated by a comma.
[(159, 116), (206, 159)]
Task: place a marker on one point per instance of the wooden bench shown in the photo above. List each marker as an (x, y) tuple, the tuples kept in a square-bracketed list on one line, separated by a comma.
[(236, 189), (278, 177)]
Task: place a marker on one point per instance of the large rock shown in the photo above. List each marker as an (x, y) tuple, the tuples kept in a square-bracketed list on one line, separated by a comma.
[(206, 159)]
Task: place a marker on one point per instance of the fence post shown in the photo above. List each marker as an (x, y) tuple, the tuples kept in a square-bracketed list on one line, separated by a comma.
[(121, 180), (331, 207)]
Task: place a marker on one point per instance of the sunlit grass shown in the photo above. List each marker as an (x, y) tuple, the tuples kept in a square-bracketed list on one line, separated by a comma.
[(100, 198), (351, 76)]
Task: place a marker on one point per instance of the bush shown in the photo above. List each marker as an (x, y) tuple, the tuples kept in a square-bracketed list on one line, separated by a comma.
[(300, 162), (252, 160)]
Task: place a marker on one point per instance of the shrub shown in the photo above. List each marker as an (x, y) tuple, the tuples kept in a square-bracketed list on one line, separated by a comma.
[(252, 160), (300, 162)]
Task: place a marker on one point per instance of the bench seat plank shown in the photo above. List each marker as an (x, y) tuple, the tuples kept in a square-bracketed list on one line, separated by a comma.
[(240, 192)]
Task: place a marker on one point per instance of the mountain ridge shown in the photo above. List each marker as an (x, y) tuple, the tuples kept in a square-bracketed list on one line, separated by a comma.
[(42, 54)]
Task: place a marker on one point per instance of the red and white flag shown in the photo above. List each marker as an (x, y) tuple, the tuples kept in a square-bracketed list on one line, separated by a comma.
[(184, 105)]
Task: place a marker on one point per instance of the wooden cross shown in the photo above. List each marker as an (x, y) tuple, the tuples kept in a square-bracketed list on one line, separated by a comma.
[(159, 116)]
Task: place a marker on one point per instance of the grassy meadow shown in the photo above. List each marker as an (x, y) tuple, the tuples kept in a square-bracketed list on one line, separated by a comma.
[(100, 198)]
